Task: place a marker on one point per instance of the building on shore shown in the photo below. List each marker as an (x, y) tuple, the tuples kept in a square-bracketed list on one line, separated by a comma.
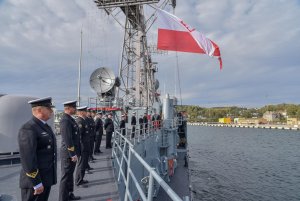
[(226, 120), (250, 121), (271, 116), (292, 121)]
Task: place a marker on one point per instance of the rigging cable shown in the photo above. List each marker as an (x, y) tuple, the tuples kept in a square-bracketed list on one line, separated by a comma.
[(177, 68)]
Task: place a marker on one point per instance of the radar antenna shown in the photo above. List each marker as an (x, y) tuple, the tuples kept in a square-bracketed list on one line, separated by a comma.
[(104, 83)]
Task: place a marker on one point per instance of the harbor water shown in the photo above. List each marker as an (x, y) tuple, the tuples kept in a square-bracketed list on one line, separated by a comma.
[(236, 164)]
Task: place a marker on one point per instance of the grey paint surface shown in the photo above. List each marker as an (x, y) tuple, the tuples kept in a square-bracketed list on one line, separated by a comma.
[(15, 111)]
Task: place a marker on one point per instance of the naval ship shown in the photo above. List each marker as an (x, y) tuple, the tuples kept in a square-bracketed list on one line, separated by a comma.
[(148, 161)]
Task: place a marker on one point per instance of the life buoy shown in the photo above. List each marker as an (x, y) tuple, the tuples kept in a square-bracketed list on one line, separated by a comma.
[(171, 167)]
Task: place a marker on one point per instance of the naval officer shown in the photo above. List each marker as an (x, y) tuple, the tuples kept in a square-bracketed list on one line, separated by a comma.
[(37, 146), (70, 150), (99, 132), (109, 128), (133, 124), (123, 125), (92, 132), (84, 146)]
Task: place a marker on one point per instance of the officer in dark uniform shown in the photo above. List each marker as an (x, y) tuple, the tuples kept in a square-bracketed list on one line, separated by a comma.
[(37, 146), (92, 132), (133, 124), (123, 125), (70, 150), (84, 146), (99, 132), (109, 128), (141, 123), (93, 115), (145, 121)]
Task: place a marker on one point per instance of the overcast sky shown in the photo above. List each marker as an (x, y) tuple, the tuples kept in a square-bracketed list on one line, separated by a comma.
[(259, 42)]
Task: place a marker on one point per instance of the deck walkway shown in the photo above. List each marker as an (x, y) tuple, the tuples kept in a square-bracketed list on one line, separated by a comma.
[(101, 186)]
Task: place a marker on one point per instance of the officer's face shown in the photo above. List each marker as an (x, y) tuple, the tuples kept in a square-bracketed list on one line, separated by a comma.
[(47, 112), (72, 110)]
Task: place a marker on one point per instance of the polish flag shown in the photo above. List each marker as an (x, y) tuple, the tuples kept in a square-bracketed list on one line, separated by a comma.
[(175, 35)]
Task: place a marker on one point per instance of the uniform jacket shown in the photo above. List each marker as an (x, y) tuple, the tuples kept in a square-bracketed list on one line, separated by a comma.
[(70, 135), (141, 121), (38, 152), (109, 125), (122, 126), (99, 126), (84, 134), (145, 119), (91, 124), (133, 120)]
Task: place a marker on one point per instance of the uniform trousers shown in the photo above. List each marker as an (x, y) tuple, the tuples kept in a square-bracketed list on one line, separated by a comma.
[(133, 132), (92, 142), (27, 194), (67, 179), (81, 167), (141, 129), (98, 142), (108, 139)]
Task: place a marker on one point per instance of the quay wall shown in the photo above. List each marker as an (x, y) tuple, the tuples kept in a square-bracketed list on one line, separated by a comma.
[(262, 126)]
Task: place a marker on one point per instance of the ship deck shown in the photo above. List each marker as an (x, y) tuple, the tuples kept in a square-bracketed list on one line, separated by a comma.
[(179, 182), (101, 186)]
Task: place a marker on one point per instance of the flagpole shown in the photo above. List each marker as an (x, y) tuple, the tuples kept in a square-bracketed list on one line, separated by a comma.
[(177, 63), (79, 70)]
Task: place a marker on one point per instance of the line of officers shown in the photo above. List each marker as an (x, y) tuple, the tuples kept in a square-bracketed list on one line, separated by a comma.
[(81, 138)]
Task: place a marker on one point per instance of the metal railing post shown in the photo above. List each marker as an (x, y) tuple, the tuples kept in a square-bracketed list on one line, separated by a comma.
[(128, 175), (150, 187), (153, 175)]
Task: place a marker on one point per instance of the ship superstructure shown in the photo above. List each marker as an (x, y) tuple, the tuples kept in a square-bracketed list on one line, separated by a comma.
[(152, 155)]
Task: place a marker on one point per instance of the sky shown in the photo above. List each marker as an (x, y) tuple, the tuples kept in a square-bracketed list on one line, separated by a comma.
[(258, 39)]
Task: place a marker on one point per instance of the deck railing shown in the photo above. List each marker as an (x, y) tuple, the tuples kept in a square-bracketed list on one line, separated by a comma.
[(123, 151)]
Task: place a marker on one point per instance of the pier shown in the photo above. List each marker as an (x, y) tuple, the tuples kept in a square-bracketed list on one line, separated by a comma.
[(261, 126)]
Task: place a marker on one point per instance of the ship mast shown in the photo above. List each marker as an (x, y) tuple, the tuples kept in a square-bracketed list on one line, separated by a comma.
[(136, 70)]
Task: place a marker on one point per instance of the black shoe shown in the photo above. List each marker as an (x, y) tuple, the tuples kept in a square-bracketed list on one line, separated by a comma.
[(82, 184), (73, 197), (90, 168)]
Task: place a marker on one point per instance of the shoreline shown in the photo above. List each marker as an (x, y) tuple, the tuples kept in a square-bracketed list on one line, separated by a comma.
[(262, 126)]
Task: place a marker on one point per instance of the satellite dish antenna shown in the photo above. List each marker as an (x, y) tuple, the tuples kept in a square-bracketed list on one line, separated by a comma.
[(102, 80)]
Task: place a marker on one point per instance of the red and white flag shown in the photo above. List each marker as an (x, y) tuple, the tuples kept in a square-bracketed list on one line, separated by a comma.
[(175, 35)]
